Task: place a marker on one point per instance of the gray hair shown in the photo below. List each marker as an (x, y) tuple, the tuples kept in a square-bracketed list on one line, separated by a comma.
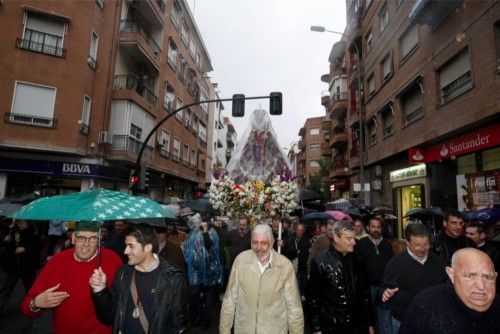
[(265, 229), (342, 225)]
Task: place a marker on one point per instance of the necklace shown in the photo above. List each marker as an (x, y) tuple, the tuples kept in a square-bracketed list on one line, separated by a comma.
[(137, 311)]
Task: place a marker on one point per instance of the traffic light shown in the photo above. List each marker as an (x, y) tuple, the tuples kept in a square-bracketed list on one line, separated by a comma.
[(275, 103), (133, 182), (238, 105), (143, 178)]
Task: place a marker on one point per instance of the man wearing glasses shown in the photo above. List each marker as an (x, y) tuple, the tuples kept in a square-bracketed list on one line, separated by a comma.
[(62, 285), (410, 272)]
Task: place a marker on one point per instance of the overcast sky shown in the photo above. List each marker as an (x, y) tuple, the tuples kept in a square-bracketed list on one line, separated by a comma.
[(261, 46)]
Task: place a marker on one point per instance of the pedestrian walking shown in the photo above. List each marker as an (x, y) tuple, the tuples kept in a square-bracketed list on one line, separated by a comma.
[(148, 295), (262, 295), (62, 285)]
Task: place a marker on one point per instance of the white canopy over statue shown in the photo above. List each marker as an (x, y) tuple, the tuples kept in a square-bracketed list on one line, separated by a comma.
[(258, 155)]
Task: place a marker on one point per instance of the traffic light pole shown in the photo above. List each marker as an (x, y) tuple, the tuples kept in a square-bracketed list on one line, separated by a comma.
[(153, 131)]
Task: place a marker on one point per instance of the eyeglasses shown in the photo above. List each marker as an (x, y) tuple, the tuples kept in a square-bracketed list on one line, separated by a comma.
[(81, 239)]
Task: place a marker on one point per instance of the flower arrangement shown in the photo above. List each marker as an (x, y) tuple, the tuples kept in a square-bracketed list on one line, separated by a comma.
[(255, 199)]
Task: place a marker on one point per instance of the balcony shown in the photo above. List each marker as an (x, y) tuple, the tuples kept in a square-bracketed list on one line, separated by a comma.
[(301, 145), (129, 144), (138, 44), (340, 167), (338, 107), (337, 52), (41, 42), (325, 100), (354, 157), (326, 78), (339, 137), (133, 85), (302, 132), (325, 149), (326, 126), (432, 12), (151, 10)]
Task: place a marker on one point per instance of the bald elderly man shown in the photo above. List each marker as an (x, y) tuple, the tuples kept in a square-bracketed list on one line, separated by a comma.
[(466, 305)]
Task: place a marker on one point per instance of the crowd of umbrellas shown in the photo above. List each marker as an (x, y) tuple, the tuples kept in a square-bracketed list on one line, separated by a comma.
[(100, 205)]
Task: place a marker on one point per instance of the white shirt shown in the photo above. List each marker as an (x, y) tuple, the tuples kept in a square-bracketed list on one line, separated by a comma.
[(416, 258), (269, 264)]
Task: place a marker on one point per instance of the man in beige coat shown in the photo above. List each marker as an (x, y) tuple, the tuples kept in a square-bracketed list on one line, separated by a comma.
[(262, 294)]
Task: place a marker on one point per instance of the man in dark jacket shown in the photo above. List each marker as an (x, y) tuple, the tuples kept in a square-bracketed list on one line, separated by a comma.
[(296, 249), (411, 271), (451, 238), (238, 240), (339, 294), (148, 295), (374, 253), (468, 305)]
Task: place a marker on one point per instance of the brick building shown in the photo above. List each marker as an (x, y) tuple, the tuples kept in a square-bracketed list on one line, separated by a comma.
[(430, 73), (84, 82)]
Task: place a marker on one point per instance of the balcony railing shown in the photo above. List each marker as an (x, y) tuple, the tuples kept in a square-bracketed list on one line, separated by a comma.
[(131, 82), (41, 42), (33, 120), (129, 143), (342, 96), (136, 27), (164, 152)]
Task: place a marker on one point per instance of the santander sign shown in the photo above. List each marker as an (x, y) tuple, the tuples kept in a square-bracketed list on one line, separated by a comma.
[(470, 142)]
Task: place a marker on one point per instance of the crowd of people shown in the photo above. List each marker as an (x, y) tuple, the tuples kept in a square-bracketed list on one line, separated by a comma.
[(269, 276)]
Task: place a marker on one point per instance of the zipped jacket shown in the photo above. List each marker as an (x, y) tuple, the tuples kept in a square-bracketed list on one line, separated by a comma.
[(170, 301), (262, 303)]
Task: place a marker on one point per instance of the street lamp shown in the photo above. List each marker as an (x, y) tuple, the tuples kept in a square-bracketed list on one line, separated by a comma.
[(360, 112)]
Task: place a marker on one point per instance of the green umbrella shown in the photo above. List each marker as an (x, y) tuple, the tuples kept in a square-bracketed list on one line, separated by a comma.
[(93, 205)]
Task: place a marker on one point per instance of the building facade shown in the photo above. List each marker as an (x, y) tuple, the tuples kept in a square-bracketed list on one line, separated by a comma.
[(430, 101), (85, 82)]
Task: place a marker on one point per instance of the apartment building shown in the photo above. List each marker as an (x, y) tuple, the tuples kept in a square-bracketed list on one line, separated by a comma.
[(430, 73), (83, 83), (313, 147)]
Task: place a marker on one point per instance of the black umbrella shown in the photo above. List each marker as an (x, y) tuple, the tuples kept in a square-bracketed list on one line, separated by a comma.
[(424, 213), (200, 205), (316, 216), (382, 209), (308, 195)]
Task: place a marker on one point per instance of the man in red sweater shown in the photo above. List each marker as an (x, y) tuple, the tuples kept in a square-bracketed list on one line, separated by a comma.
[(63, 284)]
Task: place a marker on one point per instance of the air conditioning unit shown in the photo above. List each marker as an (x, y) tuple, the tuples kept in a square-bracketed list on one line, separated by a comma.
[(105, 137)]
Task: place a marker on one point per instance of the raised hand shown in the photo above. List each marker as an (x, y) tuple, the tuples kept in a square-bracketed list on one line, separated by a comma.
[(98, 280), (51, 298)]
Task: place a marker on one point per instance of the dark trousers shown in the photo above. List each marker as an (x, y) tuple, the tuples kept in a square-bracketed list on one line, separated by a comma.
[(202, 304), (27, 277)]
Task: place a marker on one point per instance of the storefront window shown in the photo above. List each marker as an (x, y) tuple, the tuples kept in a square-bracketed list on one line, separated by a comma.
[(491, 159), (467, 164)]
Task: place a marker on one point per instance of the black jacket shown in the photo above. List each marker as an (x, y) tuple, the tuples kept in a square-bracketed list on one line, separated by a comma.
[(170, 305), (339, 294), (294, 248), (444, 246)]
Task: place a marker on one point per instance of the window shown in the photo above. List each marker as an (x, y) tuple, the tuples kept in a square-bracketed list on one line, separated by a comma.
[(314, 146), (185, 34), (185, 154), (409, 41), (372, 130), (198, 60), (192, 158), (182, 69), (371, 85), (314, 164), (177, 150), (388, 118), (497, 43), (383, 17), (33, 104), (369, 40), (386, 67), (204, 97), (165, 139), (455, 77), (180, 115), (94, 40), (176, 13), (100, 3), (188, 115), (43, 34), (172, 54), (84, 125), (168, 101), (202, 132), (192, 48), (314, 131), (135, 131), (411, 103), (178, 105)]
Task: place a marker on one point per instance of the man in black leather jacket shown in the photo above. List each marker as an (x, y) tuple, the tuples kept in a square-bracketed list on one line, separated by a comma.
[(339, 293), (451, 238), (161, 290)]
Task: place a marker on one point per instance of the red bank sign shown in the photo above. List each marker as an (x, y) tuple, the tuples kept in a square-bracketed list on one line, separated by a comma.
[(488, 136)]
